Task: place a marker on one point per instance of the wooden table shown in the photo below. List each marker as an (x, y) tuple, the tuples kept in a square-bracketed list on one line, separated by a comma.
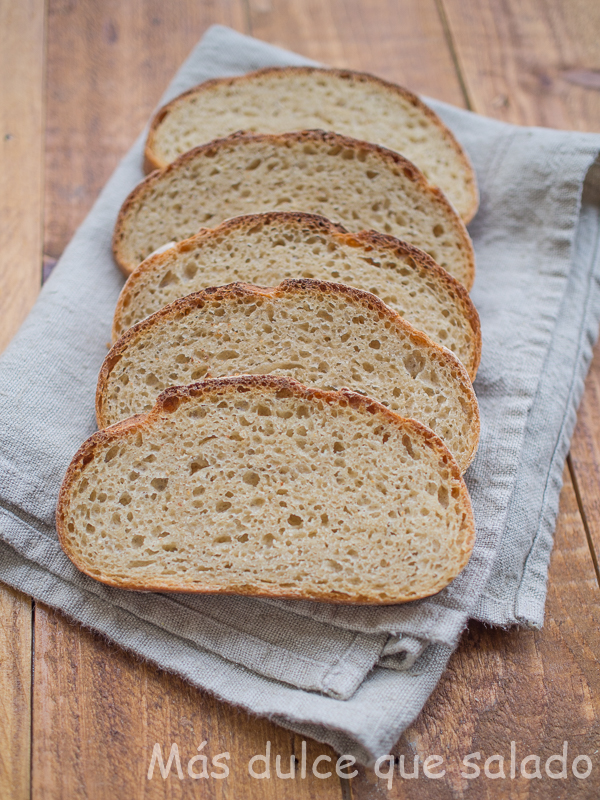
[(78, 716)]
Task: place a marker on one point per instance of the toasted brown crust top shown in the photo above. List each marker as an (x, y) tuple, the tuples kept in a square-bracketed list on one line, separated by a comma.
[(388, 157), (152, 161), (171, 399), (369, 240)]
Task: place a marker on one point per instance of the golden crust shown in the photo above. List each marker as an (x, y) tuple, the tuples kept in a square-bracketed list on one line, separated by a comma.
[(369, 240), (185, 305), (409, 170), (152, 161), (171, 399)]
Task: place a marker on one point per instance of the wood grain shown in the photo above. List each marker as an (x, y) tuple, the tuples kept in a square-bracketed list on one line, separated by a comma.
[(15, 694), (536, 688), (530, 62), (21, 196), (108, 64), (21, 160), (99, 713), (585, 458), (403, 42)]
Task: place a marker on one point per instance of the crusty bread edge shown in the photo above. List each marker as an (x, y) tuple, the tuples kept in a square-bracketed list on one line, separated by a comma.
[(408, 168), (170, 400), (185, 305), (382, 243), (152, 160)]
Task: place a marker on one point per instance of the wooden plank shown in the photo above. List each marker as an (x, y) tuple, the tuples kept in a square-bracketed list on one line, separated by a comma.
[(21, 165), (536, 63), (530, 62), (99, 712), (108, 64), (21, 174), (15, 694), (536, 688), (403, 42), (585, 458)]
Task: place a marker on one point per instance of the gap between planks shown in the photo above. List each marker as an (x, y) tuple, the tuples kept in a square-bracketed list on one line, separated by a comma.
[(584, 521)]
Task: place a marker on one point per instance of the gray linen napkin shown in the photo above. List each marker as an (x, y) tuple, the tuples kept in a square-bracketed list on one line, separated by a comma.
[(351, 676)]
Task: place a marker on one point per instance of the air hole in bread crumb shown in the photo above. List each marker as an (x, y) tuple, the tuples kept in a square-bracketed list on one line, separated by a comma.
[(195, 466), (251, 478), (408, 445), (168, 279), (414, 363), (171, 404), (111, 453)]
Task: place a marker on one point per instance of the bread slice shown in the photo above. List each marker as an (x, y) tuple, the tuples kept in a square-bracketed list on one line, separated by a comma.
[(260, 486), (354, 183), (276, 100), (265, 249), (322, 334)]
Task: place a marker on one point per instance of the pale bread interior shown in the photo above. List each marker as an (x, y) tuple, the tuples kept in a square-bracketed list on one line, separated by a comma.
[(261, 486)]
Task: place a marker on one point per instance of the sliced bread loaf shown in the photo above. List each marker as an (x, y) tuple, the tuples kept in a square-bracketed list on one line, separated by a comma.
[(323, 334), (261, 486), (265, 249), (354, 183), (276, 100)]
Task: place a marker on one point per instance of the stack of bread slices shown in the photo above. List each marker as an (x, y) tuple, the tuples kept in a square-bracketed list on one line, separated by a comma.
[(287, 408)]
